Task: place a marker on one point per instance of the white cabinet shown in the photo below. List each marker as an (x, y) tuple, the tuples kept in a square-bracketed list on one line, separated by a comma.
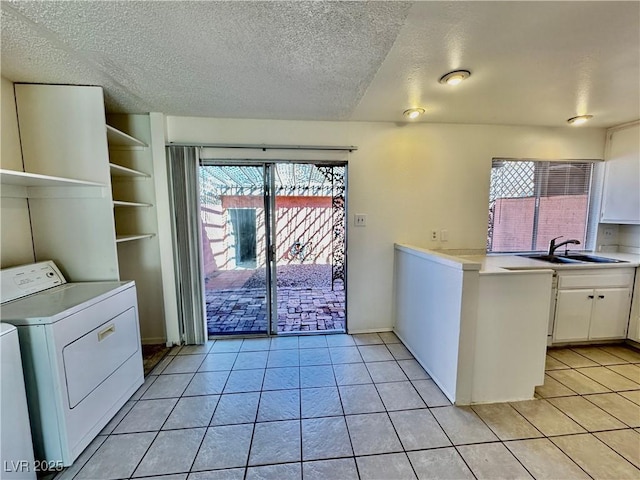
[(573, 315), (610, 315), (593, 305), (621, 194), (634, 322)]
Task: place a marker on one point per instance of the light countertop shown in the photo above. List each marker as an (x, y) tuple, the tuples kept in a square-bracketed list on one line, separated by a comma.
[(497, 264), (508, 263)]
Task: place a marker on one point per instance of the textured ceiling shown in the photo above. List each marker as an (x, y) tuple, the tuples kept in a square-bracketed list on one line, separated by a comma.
[(535, 63)]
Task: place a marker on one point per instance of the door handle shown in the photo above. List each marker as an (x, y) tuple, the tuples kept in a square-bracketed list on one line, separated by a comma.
[(600, 296), (590, 296), (111, 329)]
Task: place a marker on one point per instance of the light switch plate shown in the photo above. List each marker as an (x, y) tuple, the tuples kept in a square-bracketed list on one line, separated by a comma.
[(360, 220)]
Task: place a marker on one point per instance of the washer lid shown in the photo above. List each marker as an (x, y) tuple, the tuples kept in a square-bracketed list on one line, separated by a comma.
[(58, 302)]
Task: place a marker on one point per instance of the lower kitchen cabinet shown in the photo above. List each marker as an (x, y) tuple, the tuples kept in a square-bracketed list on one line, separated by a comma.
[(573, 315), (598, 312), (610, 315), (634, 322)]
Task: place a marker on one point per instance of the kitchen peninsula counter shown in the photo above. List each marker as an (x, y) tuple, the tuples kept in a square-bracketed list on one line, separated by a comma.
[(479, 330), (504, 264), (478, 323)]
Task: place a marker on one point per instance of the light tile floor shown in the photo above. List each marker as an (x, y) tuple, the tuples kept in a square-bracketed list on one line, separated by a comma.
[(348, 407)]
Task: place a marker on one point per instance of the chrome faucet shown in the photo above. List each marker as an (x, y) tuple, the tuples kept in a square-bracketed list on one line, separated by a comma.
[(553, 246)]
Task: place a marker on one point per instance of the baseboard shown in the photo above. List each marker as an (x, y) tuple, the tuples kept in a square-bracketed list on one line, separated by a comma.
[(369, 330), (153, 340), (449, 395), (632, 343)]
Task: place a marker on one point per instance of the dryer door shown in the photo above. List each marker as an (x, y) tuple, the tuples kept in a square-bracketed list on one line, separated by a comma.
[(90, 359)]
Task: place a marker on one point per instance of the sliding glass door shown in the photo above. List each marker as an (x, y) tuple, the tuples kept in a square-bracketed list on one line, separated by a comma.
[(310, 239), (274, 247), (234, 244)]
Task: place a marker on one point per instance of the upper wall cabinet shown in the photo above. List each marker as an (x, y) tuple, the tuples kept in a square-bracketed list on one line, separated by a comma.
[(621, 194)]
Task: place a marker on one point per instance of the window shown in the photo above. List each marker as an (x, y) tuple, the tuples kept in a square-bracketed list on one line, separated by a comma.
[(531, 202)]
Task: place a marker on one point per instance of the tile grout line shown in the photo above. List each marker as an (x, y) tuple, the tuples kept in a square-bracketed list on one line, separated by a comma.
[(168, 416), (386, 411), (300, 410), (344, 415), (519, 439), (587, 431), (586, 397)]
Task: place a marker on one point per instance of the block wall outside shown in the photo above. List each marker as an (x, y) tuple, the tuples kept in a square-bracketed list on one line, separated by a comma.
[(513, 219), (308, 220)]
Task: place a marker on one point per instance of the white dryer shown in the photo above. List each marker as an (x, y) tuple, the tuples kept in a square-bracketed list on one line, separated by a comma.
[(81, 354)]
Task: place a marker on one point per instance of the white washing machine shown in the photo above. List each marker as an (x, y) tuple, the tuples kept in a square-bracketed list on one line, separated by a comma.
[(16, 449), (81, 354)]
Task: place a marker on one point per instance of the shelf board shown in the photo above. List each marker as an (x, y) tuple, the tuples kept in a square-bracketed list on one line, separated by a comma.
[(130, 238), (120, 203), (24, 179), (120, 171), (117, 138)]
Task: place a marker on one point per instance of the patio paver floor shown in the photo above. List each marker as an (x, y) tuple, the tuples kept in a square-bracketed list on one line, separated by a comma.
[(232, 309)]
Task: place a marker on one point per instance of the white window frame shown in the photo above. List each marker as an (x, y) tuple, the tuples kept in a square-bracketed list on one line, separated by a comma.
[(594, 200)]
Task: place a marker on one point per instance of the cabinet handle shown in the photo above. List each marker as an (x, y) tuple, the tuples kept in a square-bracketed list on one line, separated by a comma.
[(590, 296), (600, 296)]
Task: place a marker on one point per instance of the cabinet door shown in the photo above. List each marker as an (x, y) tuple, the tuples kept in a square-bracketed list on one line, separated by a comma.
[(573, 313), (610, 315), (621, 196), (634, 319)]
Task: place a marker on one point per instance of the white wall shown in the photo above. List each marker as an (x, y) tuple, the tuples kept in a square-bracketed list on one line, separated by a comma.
[(15, 229), (629, 236), (408, 179)]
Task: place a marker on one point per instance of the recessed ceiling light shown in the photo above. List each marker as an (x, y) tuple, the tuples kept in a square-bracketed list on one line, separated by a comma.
[(455, 77), (413, 113), (579, 120)]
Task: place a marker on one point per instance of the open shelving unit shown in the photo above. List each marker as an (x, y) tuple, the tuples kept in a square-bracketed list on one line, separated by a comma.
[(89, 200), (16, 184), (118, 139), (25, 179), (120, 203), (66, 179), (129, 238), (134, 215), (120, 171), (127, 149)]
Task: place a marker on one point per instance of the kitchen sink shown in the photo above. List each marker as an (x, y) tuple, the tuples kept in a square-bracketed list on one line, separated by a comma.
[(592, 258), (551, 258), (571, 258)]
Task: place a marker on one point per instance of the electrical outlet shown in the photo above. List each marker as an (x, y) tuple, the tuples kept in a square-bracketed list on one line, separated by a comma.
[(434, 235), (360, 220), (607, 232)]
